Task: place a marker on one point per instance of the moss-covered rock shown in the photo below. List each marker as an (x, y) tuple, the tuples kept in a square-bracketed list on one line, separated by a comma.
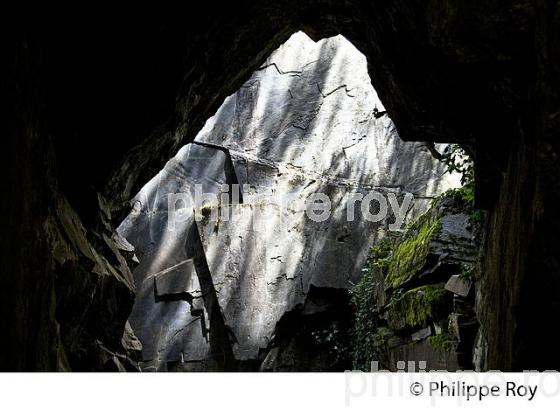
[(445, 341), (410, 256), (402, 290), (419, 307)]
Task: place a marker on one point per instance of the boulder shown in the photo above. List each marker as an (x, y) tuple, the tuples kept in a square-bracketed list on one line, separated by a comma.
[(459, 285)]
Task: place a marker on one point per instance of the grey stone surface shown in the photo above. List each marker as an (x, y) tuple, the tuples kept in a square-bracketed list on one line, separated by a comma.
[(177, 279), (456, 226), (302, 124), (458, 285), (129, 341), (421, 334)]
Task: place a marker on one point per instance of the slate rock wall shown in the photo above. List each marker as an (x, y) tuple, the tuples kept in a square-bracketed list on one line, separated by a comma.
[(306, 122)]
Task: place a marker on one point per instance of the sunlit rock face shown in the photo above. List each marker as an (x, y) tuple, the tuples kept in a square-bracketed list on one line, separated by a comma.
[(216, 276)]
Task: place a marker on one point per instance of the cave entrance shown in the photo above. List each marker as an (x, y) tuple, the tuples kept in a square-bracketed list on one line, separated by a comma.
[(231, 275)]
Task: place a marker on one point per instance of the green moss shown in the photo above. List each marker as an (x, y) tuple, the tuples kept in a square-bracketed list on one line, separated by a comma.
[(463, 195), (410, 256), (418, 307), (444, 342)]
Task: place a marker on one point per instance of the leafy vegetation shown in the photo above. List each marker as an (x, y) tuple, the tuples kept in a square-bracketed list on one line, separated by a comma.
[(467, 272), (367, 343), (333, 338), (464, 197), (457, 160)]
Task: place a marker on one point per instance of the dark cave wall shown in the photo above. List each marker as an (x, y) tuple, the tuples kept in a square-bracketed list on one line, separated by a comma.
[(27, 280), (520, 270), (538, 276), (66, 290), (89, 89)]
